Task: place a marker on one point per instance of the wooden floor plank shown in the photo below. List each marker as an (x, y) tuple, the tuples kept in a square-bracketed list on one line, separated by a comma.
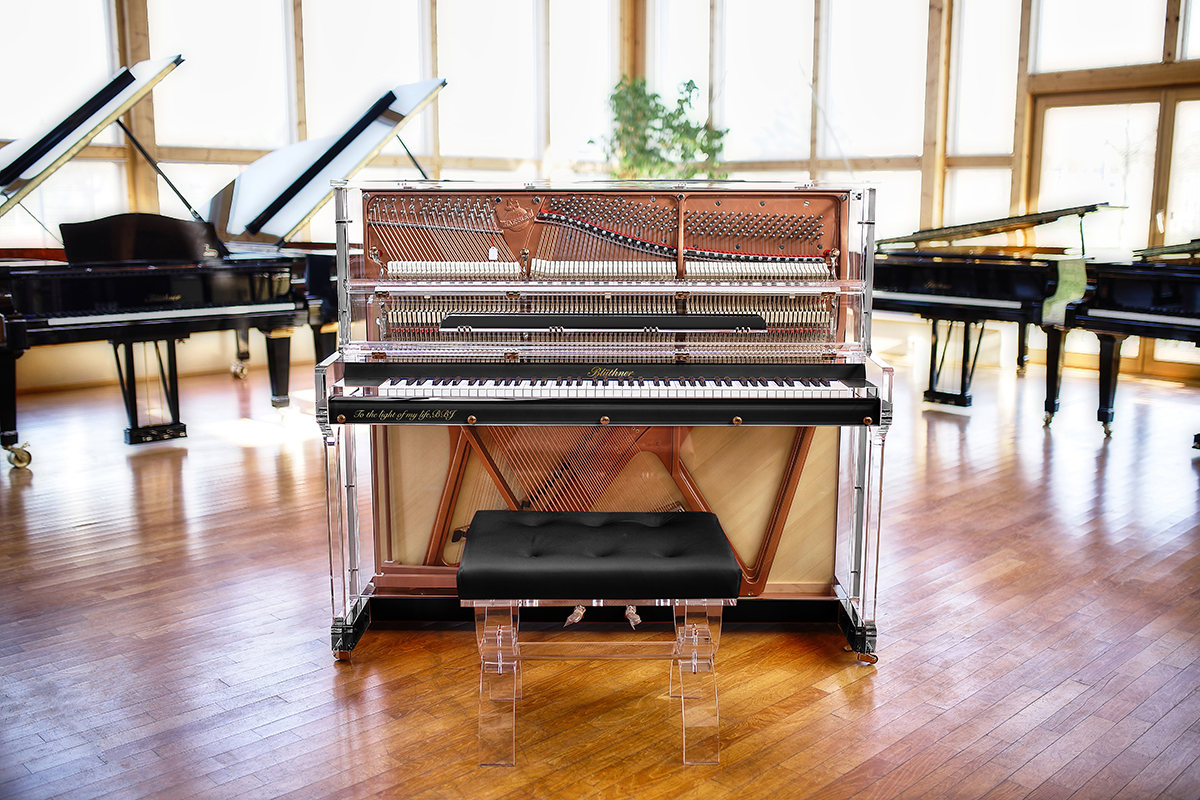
[(164, 626)]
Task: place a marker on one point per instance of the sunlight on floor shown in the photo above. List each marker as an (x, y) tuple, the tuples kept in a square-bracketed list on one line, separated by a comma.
[(291, 426)]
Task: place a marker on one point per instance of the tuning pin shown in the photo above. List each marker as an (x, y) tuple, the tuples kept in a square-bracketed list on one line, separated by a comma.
[(576, 615), (632, 615)]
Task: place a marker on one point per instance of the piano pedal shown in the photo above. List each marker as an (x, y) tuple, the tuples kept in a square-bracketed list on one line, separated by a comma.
[(18, 455)]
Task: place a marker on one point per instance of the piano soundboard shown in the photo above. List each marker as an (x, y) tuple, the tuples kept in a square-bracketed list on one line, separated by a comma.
[(623, 347)]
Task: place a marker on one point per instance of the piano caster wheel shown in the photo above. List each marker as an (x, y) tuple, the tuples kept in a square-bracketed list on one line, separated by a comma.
[(238, 370), (19, 457), (1107, 431), (341, 655), (1046, 420), (870, 658)]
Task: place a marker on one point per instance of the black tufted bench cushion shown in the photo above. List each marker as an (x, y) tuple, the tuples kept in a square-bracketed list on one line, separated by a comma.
[(546, 555)]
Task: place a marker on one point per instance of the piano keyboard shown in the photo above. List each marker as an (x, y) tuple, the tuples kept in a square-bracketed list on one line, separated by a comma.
[(170, 313), (614, 388), (943, 299), (1139, 316)]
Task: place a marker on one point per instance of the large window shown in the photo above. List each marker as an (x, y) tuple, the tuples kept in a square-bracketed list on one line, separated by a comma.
[(341, 83), (232, 89), (764, 87), (1082, 34), (1099, 154), (63, 54), (983, 79), (1181, 220), (56, 56), (82, 189), (873, 80), (678, 50), (583, 71), (488, 53)]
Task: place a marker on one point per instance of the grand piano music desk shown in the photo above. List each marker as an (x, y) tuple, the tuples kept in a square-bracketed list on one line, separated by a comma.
[(634, 348)]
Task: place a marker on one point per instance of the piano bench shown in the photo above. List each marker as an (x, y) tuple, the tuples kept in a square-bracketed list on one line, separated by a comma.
[(515, 559)]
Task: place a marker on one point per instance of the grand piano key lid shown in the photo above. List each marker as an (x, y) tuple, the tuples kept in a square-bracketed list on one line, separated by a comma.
[(278, 194)]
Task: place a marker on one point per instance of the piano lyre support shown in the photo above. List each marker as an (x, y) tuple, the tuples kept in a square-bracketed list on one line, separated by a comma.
[(641, 347)]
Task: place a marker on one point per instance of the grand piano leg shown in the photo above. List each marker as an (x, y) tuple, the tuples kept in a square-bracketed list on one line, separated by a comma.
[(324, 339), (242, 337), (279, 354), (1022, 347), (1110, 368), (168, 376), (937, 360), (1054, 366), (12, 345), (17, 456)]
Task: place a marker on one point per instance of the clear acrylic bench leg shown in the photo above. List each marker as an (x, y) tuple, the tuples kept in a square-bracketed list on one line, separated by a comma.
[(691, 656), (697, 633), (499, 684)]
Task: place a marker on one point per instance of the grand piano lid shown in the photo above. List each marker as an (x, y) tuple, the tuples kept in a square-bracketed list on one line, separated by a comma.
[(1003, 225), (25, 163), (1184, 252), (277, 194)]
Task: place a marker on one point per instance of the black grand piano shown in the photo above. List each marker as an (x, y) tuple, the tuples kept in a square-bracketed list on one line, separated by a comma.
[(929, 274), (153, 280), (1156, 296)]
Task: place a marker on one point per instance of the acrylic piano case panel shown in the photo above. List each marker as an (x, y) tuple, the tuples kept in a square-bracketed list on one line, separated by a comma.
[(774, 490), (633, 347)]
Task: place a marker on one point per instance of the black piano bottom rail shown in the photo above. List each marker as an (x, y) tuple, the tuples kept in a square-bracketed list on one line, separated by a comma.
[(632, 412)]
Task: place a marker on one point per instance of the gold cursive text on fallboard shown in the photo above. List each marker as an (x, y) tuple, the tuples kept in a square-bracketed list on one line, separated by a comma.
[(602, 372), (402, 415)]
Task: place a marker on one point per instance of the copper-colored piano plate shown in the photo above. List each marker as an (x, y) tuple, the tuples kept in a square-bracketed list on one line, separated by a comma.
[(581, 224)]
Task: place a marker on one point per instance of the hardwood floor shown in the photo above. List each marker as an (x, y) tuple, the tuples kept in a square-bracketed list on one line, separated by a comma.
[(165, 619)]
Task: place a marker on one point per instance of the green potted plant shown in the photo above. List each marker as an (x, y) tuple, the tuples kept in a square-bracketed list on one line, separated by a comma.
[(650, 140)]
